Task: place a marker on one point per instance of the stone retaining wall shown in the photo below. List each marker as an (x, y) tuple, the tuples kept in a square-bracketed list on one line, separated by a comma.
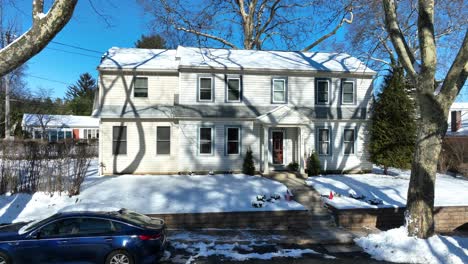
[(255, 220), (447, 218)]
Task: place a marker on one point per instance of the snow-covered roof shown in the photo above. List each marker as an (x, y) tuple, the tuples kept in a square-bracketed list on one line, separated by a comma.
[(459, 106), (463, 131), (72, 121), (206, 58), (142, 59)]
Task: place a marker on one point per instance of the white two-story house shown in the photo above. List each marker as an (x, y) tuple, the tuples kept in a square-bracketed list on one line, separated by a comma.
[(198, 109)]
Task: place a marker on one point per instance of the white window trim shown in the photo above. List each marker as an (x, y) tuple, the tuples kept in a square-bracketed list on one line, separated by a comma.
[(170, 141), (328, 91), (227, 90), (238, 140), (273, 90), (354, 92), (199, 88), (329, 141), (354, 141), (212, 141)]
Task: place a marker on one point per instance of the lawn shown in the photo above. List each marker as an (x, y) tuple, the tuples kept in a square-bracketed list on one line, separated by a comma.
[(152, 194), (390, 189)]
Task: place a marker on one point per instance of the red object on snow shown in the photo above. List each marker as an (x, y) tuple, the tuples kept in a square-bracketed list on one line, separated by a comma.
[(288, 196), (331, 195)]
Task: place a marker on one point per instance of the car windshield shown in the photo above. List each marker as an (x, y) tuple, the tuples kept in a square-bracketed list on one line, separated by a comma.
[(139, 219)]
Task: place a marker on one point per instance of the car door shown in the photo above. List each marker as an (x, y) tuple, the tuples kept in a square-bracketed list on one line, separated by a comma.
[(92, 243)]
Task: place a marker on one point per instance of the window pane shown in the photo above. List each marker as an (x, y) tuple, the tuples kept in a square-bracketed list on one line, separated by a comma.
[(61, 228), (163, 147), (119, 133), (205, 83), (278, 96), (205, 133), (233, 134), (323, 134), (233, 147), (205, 147), (348, 87), (233, 90), (349, 147), (323, 148), (233, 84), (278, 85), (94, 226), (119, 147), (141, 83), (322, 92), (348, 98), (164, 133), (205, 94), (349, 135)]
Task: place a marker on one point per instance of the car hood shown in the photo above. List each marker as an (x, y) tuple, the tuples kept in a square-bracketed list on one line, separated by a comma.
[(10, 232)]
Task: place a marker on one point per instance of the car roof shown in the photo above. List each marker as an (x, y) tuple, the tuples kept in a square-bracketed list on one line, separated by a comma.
[(113, 215)]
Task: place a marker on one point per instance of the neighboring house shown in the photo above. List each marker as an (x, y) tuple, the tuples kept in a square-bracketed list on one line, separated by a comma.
[(192, 109), (60, 127), (458, 121)]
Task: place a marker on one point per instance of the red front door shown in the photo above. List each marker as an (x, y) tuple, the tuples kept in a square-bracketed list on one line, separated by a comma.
[(277, 147)]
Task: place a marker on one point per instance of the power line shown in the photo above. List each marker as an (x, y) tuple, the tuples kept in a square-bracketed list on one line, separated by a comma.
[(47, 79), (72, 52), (76, 47)]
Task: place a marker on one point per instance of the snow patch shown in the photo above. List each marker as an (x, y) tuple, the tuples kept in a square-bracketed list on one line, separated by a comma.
[(394, 245)]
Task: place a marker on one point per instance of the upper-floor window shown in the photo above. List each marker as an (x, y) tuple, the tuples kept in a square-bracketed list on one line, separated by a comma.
[(279, 91), (141, 87), (348, 141), (205, 89), (322, 91), (206, 140), (234, 89), (324, 146), (232, 140), (348, 91), (119, 140), (163, 140)]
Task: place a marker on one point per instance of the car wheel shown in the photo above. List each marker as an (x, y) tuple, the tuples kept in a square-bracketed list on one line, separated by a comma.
[(4, 259), (119, 257)]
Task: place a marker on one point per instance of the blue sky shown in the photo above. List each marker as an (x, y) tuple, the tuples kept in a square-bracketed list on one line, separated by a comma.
[(58, 66)]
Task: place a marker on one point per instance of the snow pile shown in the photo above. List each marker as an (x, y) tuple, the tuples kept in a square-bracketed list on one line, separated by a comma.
[(231, 251), (395, 246), (150, 194), (391, 190)]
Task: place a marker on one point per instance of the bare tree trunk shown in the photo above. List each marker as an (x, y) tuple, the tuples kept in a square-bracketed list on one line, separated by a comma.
[(7, 107)]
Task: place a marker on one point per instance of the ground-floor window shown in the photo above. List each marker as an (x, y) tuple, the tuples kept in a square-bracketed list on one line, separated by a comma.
[(206, 140), (324, 141), (232, 140), (119, 140), (163, 140), (348, 141), (91, 133)]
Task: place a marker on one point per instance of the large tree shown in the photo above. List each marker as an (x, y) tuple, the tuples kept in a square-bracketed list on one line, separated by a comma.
[(80, 96), (44, 28), (153, 41), (433, 101), (249, 24)]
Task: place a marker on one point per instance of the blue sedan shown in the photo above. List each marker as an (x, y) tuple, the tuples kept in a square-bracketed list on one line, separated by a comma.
[(120, 237)]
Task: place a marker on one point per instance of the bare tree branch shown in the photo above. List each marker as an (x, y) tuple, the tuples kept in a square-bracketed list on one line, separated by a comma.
[(225, 42), (426, 39), (37, 37), (37, 9), (333, 32)]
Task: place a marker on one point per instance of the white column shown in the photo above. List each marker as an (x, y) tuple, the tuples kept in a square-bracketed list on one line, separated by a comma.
[(300, 147), (266, 154)]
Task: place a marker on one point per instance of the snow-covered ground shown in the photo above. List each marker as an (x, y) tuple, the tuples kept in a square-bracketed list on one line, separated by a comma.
[(391, 189), (152, 194), (395, 246)]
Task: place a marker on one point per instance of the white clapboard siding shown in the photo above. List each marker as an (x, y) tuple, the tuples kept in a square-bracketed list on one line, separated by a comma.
[(141, 157), (191, 160), (256, 90), (118, 89)]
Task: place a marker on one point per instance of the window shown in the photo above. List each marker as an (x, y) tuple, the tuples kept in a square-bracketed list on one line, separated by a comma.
[(232, 140), (205, 89), (89, 135), (163, 140), (206, 140), (233, 89), (347, 92), (322, 91), (279, 91), (119, 140), (348, 141), (141, 87), (324, 141), (60, 228), (68, 134), (94, 226)]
